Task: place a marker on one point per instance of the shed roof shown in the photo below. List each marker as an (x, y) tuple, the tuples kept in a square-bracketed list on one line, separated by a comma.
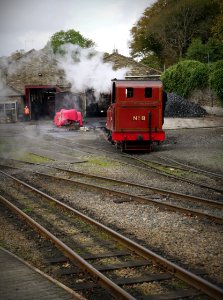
[(135, 68)]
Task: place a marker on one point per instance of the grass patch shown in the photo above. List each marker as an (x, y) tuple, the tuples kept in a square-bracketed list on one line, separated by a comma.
[(178, 284), (27, 210), (2, 244), (100, 162), (35, 158), (171, 170), (8, 150)]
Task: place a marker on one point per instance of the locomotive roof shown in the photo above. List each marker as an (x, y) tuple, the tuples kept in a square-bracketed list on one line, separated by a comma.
[(138, 83)]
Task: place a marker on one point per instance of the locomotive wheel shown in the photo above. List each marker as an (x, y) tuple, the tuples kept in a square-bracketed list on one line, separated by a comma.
[(109, 137), (118, 145), (122, 146), (151, 147)]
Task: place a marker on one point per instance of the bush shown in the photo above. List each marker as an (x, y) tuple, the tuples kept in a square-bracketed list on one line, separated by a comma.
[(216, 78), (185, 76), (216, 66)]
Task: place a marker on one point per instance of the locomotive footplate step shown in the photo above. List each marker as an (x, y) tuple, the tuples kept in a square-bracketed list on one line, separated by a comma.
[(18, 280)]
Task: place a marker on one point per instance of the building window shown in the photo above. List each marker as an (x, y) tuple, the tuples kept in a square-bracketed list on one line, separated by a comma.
[(148, 92), (129, 92)]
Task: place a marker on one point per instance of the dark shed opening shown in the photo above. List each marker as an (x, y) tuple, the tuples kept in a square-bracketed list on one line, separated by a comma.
[(41, 101)]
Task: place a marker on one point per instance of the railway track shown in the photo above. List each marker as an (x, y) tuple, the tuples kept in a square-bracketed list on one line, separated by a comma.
[(182, 173), (193, 206), (162, 169), (187, 171), (85, 242), (183, 166), (175, 171)]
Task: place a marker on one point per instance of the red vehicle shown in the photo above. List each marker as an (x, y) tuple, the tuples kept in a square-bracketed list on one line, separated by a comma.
[(68, 117), (135, 116)]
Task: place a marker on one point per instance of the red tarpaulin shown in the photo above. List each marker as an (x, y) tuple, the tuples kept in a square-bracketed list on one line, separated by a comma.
[(68, 117)]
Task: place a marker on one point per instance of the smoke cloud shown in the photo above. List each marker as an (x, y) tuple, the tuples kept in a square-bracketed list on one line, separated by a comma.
[(85, 69)]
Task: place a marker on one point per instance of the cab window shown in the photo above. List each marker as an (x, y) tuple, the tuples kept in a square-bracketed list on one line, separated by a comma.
[(148, 92), (129, 92)]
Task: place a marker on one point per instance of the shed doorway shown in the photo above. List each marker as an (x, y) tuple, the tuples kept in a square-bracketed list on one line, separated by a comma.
[(41, 101)]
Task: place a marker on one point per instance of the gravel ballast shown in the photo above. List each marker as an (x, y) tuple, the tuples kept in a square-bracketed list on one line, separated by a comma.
[(185, 239)]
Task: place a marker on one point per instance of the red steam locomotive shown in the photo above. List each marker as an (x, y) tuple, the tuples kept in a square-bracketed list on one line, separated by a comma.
[(135, 116)]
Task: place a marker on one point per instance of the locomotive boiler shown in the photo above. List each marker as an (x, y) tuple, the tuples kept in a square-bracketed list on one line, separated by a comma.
[(135, 115)]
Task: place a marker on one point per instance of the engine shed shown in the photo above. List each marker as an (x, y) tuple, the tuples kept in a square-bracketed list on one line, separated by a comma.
[(41, 100), (40, 81)]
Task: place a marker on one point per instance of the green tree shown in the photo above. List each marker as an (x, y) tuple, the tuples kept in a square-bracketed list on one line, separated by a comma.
[(216, 78), (184, 77), (217, 28), (205, 52), (168, 27), (152, 61), (197, 51), (71, 36), (214, 50), (144, 38)]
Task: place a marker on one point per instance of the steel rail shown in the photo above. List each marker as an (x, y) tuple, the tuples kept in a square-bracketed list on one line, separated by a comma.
[(185, 275), (176, 195), (161, 191), (170, 207), (184, 167), (156, 170), (164, 173), (97, 276), (162, 205), (192, 168)]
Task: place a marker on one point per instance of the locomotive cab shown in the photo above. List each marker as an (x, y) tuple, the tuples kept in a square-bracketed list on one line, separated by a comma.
[(135, 116)]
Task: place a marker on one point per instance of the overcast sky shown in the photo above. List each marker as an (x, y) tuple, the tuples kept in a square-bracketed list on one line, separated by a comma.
[(28, 24)]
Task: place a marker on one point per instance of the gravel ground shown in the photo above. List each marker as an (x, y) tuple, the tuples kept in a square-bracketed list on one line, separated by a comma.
[(185, 239), (200, 147)]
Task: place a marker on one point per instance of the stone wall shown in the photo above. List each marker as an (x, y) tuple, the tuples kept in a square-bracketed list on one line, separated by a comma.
[(34, 68), (41, 68), (205, 98), (208, 100)]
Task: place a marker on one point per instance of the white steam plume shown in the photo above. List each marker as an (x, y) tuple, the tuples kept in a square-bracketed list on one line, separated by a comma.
[(85, 69)]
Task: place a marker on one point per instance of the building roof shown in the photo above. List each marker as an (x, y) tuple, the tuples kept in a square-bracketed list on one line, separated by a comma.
[(35, 67), (135, 68), (41, 68)]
